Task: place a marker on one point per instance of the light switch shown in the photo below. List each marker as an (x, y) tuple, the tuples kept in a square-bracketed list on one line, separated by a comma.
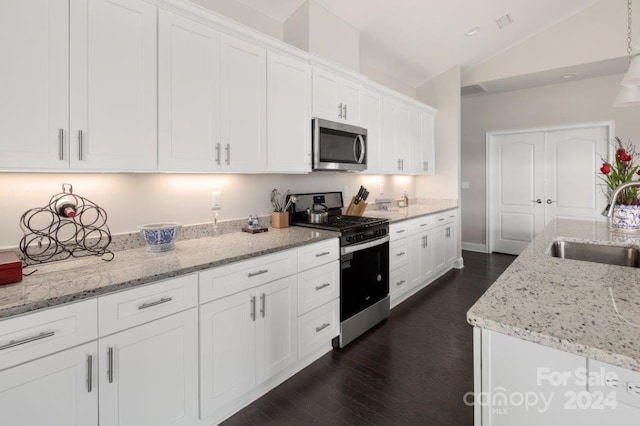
[(465, 185), (216, 200)]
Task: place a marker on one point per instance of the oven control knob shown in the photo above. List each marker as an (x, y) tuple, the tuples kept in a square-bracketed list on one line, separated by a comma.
[(379, 277)]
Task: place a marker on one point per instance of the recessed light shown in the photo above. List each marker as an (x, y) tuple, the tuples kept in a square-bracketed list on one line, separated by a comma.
[(472, 31), (568, 76), (504, 20)]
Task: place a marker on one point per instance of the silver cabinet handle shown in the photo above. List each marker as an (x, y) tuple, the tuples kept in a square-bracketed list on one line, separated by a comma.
[(14, 343), (402, 163), (539, 201), (260, 272), (441, 219), (399, 164), (61, 144), (322, 327), (263, 304), (320, 287), (400, 231), (549, 201), (227, 149), (110, 365), (89, 373), (345, 111), (157, 302), (426, 241), (448, 232), (324, 253), (399, 283), (80, 146), (340, 111), (424, 224), (400, 254), (252, 314), (218, 154)]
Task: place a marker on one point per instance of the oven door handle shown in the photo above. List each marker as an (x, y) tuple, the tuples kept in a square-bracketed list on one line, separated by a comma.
[(363, 246)]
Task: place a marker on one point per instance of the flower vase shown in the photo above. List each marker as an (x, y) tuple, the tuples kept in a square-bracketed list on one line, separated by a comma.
[(626, 218)]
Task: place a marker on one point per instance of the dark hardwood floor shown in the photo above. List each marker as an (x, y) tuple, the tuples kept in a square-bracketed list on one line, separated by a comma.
[(412, 369)]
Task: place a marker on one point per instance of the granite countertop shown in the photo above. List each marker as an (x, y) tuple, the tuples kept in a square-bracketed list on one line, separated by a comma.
[(585, 308), (398, 214), (67, 281)]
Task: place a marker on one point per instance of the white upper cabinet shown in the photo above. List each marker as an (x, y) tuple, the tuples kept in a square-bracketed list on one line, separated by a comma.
[(402, 137), (390, 161), (335, 97), (421, 136), (34, 76), (113, 119), (244, 103), (288, 114), (188, 95), (371, 114)]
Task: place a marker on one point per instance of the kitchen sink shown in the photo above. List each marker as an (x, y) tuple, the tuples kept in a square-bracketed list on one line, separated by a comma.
[(610, 255)]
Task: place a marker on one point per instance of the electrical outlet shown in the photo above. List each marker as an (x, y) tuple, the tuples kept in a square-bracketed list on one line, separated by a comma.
[(216, 200)]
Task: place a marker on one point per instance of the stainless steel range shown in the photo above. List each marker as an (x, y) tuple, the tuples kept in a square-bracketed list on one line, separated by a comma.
[(364, 262)]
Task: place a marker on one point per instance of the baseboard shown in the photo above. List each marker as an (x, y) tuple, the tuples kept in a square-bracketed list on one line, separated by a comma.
[(480, 248), (458, 263)]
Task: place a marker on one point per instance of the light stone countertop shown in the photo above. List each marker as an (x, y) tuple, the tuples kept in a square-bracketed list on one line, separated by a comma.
[(72, 280), (568, 304), (398, 214)]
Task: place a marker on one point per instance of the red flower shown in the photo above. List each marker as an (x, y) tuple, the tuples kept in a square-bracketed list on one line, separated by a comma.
[(621, 152), (622, 155), (605, 169), (638, 172)]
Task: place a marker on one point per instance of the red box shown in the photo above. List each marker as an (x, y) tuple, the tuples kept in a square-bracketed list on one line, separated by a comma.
[(10, 268)]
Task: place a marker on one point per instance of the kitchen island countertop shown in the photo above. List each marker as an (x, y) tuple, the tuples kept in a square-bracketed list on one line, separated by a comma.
[(72, 280), (585, 308)]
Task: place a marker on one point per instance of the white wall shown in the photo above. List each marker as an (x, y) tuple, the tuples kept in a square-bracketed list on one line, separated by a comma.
[(135, 199), (555, 105), (595, 34), (245, 15)]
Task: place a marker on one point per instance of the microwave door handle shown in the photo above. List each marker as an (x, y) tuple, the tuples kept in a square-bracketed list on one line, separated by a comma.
[(359, 139)]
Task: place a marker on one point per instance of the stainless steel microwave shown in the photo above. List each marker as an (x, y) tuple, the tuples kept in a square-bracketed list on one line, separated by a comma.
[(338, 147)]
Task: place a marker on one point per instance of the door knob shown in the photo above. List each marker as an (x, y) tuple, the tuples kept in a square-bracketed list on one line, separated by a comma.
[(550, 201), (539, 201)]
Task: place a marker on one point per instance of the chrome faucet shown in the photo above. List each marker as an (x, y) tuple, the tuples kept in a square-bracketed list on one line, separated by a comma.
[(608, 211)]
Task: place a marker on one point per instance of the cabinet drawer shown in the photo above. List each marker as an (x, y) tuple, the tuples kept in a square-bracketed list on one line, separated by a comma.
[(318, 286), (318, 254), (398, 253), (129, 308), (421, 224), (41, 333), (445, 217), (399, 281), (399, 230), (318, 327), (236, 277)]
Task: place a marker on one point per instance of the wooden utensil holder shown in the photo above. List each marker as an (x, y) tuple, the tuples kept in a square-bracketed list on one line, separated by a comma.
[(356, 209), (280, 219)]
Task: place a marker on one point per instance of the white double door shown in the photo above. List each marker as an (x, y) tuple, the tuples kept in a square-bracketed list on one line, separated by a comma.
[(538, 176)]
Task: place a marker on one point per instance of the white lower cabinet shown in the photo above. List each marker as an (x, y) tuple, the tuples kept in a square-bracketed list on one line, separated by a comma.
[(318, 327), (421, 258), (149, 374), (57, 390), (245, 339)]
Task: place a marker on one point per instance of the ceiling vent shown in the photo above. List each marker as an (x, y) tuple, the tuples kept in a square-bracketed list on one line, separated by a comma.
[(504, 20), (474, 89)]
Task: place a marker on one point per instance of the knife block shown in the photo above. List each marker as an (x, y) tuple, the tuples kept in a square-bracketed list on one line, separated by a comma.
[(356, 209)]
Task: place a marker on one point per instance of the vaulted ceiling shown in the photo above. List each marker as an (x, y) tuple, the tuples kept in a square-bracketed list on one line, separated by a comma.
[(414, 40)]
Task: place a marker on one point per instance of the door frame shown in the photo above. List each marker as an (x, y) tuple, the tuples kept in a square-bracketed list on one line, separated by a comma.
[(610, 125)]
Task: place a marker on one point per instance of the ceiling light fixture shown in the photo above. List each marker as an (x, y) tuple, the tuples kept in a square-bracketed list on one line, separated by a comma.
[(568, 76), (504, 20), (472, 31), (630, 93)]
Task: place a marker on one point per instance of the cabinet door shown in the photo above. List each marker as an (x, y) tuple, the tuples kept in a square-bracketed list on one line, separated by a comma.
[(34, 97), (227, 350), (402, 137), (188, 95), (326, 99), (370, 120), (415, 142), (390, 160), (451, 242), (427, 120), (349, 93), (57, 390), (244, 103), (439, 256), (416, 246), (427, 261), (113, 85), (288, 114), (277, 327), (149, 374)]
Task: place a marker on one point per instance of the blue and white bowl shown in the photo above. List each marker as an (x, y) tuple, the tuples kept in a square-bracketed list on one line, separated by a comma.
[(160, 236)]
